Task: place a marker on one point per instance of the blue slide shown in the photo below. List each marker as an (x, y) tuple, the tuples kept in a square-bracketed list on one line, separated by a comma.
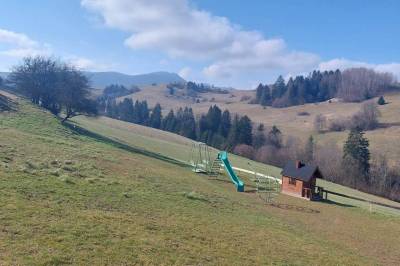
[(223, 156)]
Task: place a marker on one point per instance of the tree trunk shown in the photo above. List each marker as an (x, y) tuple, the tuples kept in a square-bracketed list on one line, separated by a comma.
[(66, 118)]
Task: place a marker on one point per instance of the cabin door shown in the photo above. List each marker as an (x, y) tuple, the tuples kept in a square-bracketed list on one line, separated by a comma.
[(306, 193)]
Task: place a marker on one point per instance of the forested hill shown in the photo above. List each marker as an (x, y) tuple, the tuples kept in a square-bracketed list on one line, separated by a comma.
[(351, 85)]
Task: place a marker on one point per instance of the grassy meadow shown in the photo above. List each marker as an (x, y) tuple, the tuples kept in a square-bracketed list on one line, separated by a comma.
[(111, 196)]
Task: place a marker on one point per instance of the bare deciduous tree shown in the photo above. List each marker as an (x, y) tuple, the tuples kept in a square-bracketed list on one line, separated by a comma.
[(358, 84), (328, 157), (244, 150), (367, 117), (319, 123)]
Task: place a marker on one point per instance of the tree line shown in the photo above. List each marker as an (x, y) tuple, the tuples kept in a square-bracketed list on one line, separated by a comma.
[(216, 128), (192, 89), (351, 85)]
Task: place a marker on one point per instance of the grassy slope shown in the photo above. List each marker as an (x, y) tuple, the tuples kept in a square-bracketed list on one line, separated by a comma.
[(68, 198), (178, 147), (287, 119)]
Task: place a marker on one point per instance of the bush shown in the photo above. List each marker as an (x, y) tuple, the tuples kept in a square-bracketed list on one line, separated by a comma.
[(245, 98), (253, 101), (338, 124), (366, 118), (244, 150), (303, 113)]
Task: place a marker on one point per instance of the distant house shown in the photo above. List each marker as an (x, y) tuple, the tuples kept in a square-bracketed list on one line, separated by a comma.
[(299, 180)]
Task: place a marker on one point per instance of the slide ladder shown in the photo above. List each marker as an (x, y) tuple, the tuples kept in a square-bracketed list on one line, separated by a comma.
[(223, 156), (215, 168)]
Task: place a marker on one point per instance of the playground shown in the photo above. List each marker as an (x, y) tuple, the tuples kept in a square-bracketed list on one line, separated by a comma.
[(203, 161), (179, 149)]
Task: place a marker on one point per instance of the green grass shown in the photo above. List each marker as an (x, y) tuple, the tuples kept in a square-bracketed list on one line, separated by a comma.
[(162, 142), (67, 198), (179, 148)]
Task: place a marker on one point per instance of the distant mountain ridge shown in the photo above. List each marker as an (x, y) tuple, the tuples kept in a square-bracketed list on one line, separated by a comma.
[(103, 79)]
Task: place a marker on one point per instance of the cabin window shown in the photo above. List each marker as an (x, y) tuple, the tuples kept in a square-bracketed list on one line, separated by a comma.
[(292, 181)]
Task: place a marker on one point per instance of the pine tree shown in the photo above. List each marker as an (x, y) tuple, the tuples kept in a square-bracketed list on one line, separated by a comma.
[(274, 137), (144, 113), (309, 150), (233, 135), (279, 88), (188, 124), (259, 92), (265, 96), (381, 101), (179, 121), (156, 117), (136, 113), (125, 110), (214, 118), (169, 122), (111, 109), (259, 137), (225, 125), (245, 131), (356, 153)]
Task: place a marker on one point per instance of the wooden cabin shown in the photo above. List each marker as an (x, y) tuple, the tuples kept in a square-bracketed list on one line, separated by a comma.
[(299, 180)]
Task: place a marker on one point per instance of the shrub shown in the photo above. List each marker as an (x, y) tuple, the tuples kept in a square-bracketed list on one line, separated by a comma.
[(245, 98), (366, 118), (338, 124), (244, 150), (303, 113)]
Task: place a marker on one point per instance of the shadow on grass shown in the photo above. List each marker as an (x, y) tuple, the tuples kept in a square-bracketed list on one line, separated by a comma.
[(252, 190), (388, 125), (7, 104), (118, 144), (363, 200), (331, 202)]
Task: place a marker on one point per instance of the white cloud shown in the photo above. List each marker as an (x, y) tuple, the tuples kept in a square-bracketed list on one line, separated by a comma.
[(164, 62), (87, 63), (18, 39), (185, 72), (183, 31), (342, 63), (14, 46), (19, 45)]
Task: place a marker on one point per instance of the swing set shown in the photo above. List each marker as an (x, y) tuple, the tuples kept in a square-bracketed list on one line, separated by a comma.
[(200, 158)]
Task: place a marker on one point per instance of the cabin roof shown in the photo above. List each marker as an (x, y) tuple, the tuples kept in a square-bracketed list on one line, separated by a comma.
[(304, 172)]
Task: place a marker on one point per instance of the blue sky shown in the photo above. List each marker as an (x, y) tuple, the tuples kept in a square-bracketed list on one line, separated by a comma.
[(222, 42)]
